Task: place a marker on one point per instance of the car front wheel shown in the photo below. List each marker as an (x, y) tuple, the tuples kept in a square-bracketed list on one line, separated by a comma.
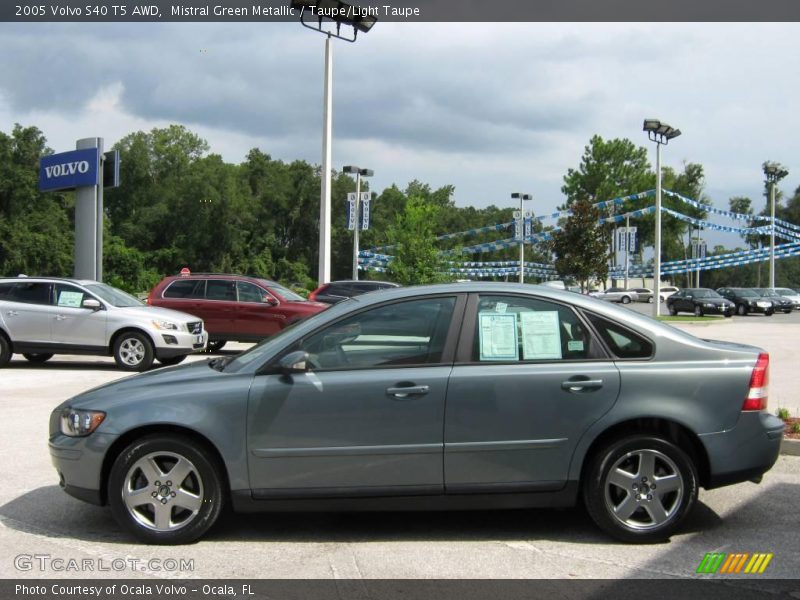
[(672, 311), (215, 346), (133, 351), (5, 351), (640, 488), (626, 300), (165, 489), (698, 311)]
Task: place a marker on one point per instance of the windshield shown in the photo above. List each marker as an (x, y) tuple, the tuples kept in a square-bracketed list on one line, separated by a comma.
[(113, 296), (785, 292), (286, 294)]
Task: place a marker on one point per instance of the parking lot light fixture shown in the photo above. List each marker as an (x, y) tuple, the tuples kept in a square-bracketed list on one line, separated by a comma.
[(359, 173), (661, 134), (522, 198), (327, 17), (773, 173)]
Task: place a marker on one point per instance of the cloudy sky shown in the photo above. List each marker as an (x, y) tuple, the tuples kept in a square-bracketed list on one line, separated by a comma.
[(488, 108)]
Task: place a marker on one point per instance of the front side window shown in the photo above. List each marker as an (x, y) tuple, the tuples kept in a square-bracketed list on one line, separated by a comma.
[(250, 293), (511, 328), (400, 334), (68, 296)]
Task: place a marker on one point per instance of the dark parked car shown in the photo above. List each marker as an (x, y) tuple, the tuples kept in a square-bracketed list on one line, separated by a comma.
[(233, 307), (470, 395), (699, 301), (336, 291), (780, 303), (747, 301)]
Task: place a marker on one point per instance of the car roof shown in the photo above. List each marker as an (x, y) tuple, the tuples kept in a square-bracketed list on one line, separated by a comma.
[(25, 278), (232, 276)]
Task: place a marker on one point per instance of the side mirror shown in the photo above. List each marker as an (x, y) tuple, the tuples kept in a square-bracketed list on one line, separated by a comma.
[(294, 362), (91, 303), (270, 300)]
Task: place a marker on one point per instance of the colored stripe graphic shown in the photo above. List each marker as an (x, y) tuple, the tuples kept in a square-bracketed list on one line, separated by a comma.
[(722, 563)]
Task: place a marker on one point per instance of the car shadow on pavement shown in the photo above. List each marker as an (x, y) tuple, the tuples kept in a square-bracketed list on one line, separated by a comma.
[(49, 512), (64, 365)]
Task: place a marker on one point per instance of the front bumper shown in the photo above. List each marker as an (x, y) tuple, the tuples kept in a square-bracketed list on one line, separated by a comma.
[(745, 452), (79, 463), (717, 309), (169, 343)]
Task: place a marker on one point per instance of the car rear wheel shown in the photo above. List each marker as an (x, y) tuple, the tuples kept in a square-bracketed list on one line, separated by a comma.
[(640, 488), (165, 490), (650, 300), (133, 351), (172, 360), (698, 311), (5, 351), (38, 358)]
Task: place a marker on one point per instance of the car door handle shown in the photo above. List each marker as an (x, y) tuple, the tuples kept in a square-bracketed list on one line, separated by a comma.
[(401, 393), (61, 317), (581, 385), (13, 313)]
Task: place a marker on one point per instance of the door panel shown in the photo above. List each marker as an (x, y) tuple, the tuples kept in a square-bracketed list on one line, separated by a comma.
[(517, 424), (28, 311), (341, 429), (71, 325)]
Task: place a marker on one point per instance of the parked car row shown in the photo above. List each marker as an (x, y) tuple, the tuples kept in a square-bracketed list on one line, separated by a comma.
[(626, 296), (729, 300), (189, 312)]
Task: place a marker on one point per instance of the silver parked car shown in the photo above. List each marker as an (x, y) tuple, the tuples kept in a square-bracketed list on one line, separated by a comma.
[(40, 317), (470, 395), (617, 294)]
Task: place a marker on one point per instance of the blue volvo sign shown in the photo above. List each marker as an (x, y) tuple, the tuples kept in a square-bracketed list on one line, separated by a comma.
[(69, 170)]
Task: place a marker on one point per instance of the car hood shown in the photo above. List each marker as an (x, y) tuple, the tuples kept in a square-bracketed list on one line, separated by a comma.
[(130, 388), (156, 312)]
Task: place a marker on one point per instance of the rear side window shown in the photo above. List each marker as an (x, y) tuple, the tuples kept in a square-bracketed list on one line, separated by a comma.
[(5, 290), (623, 342), (30, 293), (186, 288)]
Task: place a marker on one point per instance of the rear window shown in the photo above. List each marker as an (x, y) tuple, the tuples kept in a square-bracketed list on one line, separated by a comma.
[(623, 342), (186, 288)]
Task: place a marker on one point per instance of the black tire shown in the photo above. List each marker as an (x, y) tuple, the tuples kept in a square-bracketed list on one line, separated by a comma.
[(769, 313), (698, 311), (38, 358), (650, 300), (787, 311), (626, 299), (172, 360), (741, 310), (5, 350), (215, 346), (184, 518), (672, 311), (621, 462), (728, 315), (133, 351)]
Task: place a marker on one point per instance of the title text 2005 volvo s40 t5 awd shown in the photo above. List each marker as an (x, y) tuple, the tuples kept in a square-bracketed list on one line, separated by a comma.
[(442, 397)]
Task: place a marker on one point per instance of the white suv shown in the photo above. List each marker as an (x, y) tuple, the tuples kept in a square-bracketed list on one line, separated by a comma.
[(42, 316)]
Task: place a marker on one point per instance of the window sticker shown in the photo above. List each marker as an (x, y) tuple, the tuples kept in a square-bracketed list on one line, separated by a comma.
[(498, 336), (70, 299), (541, 336), (575, 346), (500, 307)]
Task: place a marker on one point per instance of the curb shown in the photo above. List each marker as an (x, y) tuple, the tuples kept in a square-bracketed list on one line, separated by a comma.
[(790, 447)]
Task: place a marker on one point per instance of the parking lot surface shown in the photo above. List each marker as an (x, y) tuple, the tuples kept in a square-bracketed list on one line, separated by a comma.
[(37, 518)]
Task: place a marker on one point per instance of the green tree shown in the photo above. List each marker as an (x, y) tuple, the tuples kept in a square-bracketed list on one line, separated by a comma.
[(581, 246), (417, 259)]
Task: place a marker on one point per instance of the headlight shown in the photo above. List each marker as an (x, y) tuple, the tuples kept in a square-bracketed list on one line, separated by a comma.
[(168, 325), (77, 423)]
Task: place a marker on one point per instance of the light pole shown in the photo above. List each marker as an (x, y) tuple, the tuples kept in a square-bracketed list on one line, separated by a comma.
[(774, 173), (522, 198), (312, 15), (661, 134), (357, 210)]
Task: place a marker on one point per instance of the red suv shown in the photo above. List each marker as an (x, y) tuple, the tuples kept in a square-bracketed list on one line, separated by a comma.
[(233, 307)]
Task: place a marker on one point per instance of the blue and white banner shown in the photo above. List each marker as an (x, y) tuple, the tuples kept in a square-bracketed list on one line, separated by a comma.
[(69, 170), (365, 200), (351, 211)]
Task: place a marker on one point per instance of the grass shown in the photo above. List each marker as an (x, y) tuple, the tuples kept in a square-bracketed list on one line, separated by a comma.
[(783, 414), (690, 319)]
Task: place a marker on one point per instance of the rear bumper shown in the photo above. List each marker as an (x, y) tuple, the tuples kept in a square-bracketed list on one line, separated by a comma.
[(745, 452)]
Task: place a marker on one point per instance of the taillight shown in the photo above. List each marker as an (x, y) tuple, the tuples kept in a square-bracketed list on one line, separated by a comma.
[(150, 297), (759, 385), (313, 295)]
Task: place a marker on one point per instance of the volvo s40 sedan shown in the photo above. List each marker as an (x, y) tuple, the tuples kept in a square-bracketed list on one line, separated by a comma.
[(454, 396)]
